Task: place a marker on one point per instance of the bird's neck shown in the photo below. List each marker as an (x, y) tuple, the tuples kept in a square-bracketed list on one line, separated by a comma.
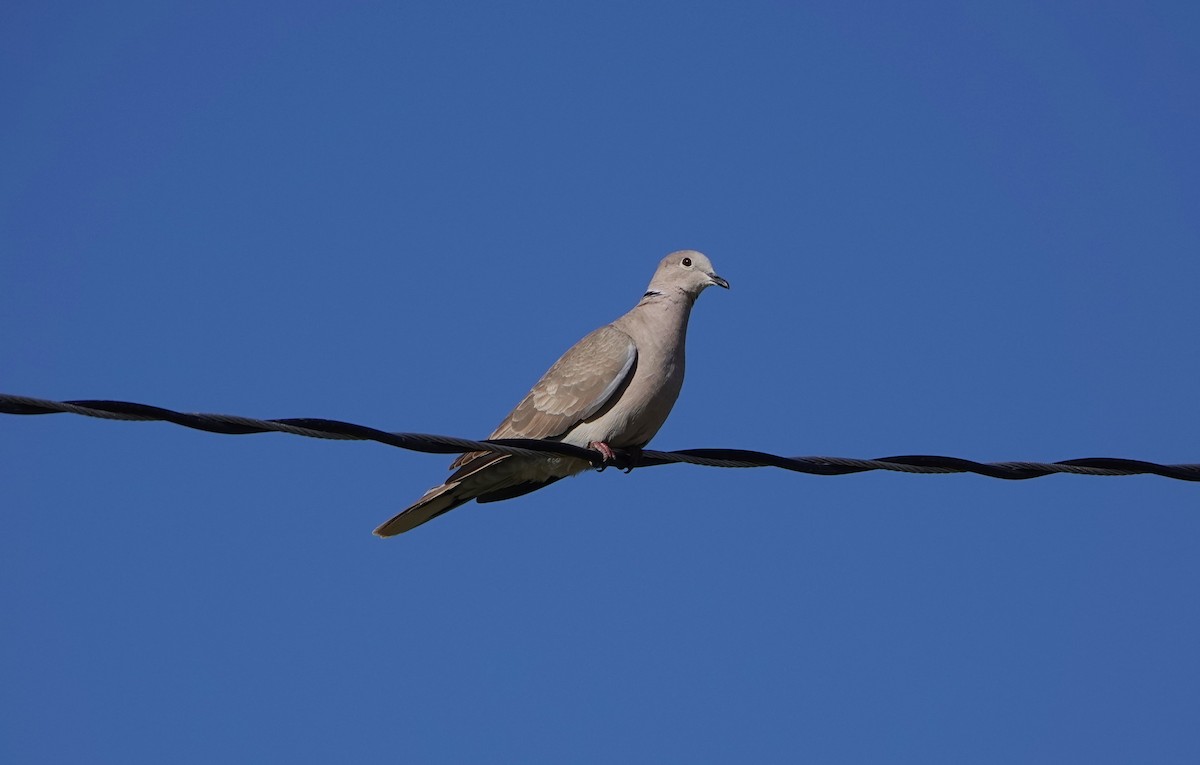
[(669, 308), (656, 296)]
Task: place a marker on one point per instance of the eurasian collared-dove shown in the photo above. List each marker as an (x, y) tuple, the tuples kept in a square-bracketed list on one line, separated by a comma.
[(612, 389)]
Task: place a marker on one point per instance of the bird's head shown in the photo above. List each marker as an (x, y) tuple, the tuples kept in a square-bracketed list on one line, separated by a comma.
[(686, 271)]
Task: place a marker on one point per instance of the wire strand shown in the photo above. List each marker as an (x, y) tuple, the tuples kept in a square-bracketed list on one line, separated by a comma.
[(626, 459)]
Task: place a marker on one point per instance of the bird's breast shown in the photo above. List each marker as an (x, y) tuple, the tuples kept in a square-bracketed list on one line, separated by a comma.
[(642, 408)]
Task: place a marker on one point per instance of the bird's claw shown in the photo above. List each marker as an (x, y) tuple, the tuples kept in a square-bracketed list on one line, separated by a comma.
[(625, 461), (606, 454), (622, 459)]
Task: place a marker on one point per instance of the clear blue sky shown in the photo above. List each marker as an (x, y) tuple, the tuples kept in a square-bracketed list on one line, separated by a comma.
[(966, 229)]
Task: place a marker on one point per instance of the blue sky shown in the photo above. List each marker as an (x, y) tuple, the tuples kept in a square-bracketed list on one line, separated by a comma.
[(966, 229)]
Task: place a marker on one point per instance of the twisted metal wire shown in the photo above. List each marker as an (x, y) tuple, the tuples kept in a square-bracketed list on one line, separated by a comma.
[(626, 459)]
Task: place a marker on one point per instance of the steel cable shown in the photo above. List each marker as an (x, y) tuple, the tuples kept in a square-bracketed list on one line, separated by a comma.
[(626, 459)]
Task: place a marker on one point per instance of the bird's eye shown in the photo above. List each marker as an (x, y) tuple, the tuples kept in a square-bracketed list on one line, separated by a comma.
[(686, 262)]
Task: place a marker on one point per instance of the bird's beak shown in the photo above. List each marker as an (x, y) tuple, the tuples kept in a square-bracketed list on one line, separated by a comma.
[(718, 281)]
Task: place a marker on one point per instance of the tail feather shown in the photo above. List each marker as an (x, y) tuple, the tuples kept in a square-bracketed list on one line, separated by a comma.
[(438, 500), (513, 491), (486, 477), (460, 488)]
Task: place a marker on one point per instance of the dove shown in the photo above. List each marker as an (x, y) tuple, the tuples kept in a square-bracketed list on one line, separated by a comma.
[(612, 390)]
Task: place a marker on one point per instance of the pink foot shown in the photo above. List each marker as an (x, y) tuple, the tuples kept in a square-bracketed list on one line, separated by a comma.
[(604, 449)]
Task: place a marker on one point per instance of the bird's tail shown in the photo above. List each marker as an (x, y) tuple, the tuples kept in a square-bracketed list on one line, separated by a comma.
[(438, 500), (486, 477)]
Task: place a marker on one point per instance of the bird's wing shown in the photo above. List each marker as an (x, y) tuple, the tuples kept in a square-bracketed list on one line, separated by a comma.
[(589, 377)]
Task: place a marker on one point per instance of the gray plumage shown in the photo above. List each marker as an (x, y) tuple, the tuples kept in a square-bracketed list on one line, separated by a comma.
[(612, 389)]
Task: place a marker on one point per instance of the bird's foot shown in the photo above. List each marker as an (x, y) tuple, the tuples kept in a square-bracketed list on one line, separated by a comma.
[(625, 459), (621, 459), (607, 454)]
